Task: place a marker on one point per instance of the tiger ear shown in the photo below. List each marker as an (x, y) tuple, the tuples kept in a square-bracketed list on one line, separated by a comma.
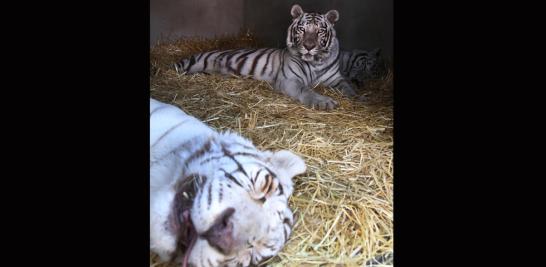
[(376, 51), (288, 162), (287, 165), (332, 16), (296, 11)]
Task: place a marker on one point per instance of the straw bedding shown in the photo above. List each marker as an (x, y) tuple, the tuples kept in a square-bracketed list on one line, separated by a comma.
[(343, 203)]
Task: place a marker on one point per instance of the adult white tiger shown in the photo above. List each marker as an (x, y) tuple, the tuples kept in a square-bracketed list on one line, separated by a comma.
[(311, 58), (215, 200)]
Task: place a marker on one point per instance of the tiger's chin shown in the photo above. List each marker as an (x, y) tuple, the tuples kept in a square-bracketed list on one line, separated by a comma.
[(316, 59), (180, 221), (308, 58), (187, 237), (312, 59)]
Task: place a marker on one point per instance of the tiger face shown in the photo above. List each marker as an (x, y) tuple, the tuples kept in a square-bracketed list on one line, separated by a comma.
[(311, 35), (365, 66), (240, 213), (372, 64)]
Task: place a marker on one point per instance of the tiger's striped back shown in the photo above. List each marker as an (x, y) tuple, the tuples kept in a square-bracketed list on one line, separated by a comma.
[(261, 64)]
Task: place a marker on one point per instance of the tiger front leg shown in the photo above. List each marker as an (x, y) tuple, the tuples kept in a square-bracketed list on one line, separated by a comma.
[(343, 85), (313, 99), (304, 94)]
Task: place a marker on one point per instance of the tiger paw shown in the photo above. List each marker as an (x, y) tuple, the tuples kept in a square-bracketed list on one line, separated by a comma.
[(321, 102), (363, 98), (349, 91)]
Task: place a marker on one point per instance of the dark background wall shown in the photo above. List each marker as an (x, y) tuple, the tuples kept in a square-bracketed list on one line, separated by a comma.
[(364, 24), (172, 19)]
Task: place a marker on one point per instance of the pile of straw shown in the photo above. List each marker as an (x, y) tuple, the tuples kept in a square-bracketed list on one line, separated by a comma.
[(343, 203)]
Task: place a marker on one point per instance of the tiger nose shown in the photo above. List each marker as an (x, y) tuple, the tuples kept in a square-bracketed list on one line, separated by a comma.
[(220, 234), (308, 45)]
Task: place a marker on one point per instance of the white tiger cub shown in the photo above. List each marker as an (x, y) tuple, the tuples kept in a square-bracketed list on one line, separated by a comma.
[(215, 200)]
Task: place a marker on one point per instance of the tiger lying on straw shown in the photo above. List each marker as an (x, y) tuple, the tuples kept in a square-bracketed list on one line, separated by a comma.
[(215, 200), (311, 58)]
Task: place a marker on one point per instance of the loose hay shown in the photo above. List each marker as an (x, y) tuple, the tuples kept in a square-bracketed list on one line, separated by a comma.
[(343, 203)]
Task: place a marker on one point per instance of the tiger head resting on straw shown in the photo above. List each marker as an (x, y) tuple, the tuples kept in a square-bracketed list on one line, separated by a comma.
[(215, 199)]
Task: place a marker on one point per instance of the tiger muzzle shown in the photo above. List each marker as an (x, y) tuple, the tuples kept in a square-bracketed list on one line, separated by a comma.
[(310, 41)]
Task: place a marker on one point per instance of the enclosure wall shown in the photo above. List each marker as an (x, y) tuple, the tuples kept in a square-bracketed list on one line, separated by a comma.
[(364, 24)]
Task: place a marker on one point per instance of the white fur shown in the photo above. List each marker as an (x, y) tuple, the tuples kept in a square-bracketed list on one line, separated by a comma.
[(174, 137), (165, 167)]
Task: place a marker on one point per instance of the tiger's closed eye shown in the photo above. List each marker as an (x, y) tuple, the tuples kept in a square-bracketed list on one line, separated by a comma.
[(269, 183)]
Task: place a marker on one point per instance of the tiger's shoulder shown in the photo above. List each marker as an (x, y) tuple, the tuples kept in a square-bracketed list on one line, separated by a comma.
[(170, 127)]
